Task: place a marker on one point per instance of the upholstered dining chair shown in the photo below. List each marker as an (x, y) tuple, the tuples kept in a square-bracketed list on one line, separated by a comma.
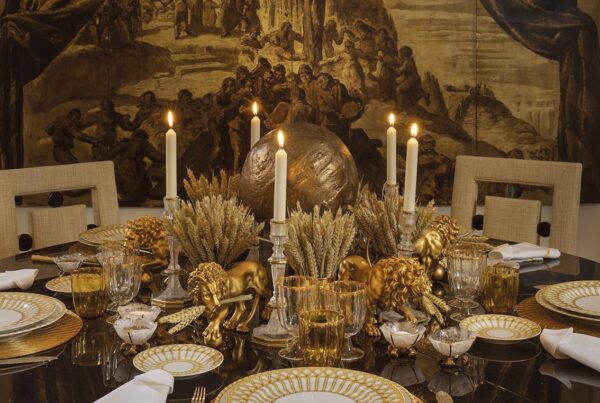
[(563, 177), (61, 224)]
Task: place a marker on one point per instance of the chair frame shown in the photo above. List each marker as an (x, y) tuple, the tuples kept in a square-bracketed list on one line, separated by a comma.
[(99, 177), (563, 177)]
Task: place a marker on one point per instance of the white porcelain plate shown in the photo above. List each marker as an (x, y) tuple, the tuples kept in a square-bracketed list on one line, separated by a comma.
[(582, 297), (61, 285), (59, 311), (501, 329), (308, 384), (101, 235), (180, 360), (20, 309)]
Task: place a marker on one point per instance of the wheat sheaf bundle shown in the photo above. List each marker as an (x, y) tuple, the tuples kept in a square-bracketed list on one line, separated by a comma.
[(199, 187), (318, 242), (378, 220), (214, 229)]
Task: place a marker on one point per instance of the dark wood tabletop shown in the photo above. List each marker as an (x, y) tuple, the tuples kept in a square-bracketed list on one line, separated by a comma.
[(91, 365)]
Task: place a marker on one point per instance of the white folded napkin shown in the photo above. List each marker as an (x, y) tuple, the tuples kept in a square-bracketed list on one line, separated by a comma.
[(22, 279), (563, 343), (150, 387), (523, 251)]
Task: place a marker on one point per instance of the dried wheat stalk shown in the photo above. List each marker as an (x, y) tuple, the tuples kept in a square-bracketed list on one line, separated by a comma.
[(224, 185), (378, 219), (318, 242), (214, 229)]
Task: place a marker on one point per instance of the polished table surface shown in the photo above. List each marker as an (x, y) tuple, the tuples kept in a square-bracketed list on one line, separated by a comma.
[(91, 365)]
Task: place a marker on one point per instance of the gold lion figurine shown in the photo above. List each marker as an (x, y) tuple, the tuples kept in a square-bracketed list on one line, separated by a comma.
[(209, 284)]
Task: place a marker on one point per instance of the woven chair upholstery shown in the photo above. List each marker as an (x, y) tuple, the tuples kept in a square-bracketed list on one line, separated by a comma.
[(99, 177), (563, 177)]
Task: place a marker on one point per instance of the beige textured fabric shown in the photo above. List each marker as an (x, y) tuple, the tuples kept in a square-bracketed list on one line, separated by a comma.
[(99, 177), (563, 177), (512, 219), (54, 226)]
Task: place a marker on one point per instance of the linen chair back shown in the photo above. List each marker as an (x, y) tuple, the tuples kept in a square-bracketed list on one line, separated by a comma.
[(513, 220), (55, 226), (98, 177), (563, 177)]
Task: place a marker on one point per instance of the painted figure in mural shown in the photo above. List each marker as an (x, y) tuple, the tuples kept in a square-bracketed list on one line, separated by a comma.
[(106, 122), (131, 175), (181, 18), (408, 81), (64, 131), (331, 36)]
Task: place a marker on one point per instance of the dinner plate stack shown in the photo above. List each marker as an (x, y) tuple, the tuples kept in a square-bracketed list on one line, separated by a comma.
[(21, 313), (578, 300)]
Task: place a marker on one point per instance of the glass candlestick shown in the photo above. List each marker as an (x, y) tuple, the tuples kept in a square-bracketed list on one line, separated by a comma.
[(273, 334), (173, 296), (408, 224), (390, 190)]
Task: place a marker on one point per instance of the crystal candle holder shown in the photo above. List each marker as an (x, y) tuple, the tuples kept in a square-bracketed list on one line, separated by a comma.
[(408, 224), (273, 334), (173, 296)]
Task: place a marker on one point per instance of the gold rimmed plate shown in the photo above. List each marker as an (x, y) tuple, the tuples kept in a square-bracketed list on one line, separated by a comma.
[(580, 297), (180, 360), (21, 309), (61, 285), (312, 384), (101, 235), (539, 297), (501, 329)]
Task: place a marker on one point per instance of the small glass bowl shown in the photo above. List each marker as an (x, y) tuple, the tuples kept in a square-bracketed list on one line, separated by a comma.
[(452, 342), (134, 332), (402, 336), (137, 310)]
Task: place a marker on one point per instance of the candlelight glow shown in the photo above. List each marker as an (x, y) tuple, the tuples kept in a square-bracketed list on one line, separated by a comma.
[(254, 108), (392, 119), (170, 118), (280, 138), (414, 130)]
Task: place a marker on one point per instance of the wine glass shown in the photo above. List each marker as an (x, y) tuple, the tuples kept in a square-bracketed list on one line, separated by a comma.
[(295, 294), (68, 263), (466, 263), (123, 273), (350, 299)]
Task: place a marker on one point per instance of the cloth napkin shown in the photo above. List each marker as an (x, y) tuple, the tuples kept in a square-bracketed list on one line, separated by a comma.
[(150, 387), (23, 279), (523, 251), (563, 343)]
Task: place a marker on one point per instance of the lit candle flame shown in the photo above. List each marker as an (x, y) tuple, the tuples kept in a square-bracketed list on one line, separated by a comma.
[(254, 108), (414, 130), (170, 118), (392, 119), (280, 138)]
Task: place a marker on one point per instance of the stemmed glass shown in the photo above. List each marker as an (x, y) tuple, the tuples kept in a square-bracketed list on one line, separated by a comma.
[(466, 263), (350, 299), (295, 294), (123, 274)]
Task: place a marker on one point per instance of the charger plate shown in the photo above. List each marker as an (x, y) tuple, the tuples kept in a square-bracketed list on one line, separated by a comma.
[(180, 360), (529, 308), (580, 297), (312, 384), (21, 309), (42, 339), (501, 329)]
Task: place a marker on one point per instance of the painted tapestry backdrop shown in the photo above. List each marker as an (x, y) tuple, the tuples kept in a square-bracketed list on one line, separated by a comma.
[(454, 66)]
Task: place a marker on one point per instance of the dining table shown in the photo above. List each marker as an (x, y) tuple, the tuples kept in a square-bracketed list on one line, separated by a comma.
[(92, 364)]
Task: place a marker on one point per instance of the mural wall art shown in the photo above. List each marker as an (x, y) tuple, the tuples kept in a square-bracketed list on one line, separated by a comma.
[(88, 80)]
